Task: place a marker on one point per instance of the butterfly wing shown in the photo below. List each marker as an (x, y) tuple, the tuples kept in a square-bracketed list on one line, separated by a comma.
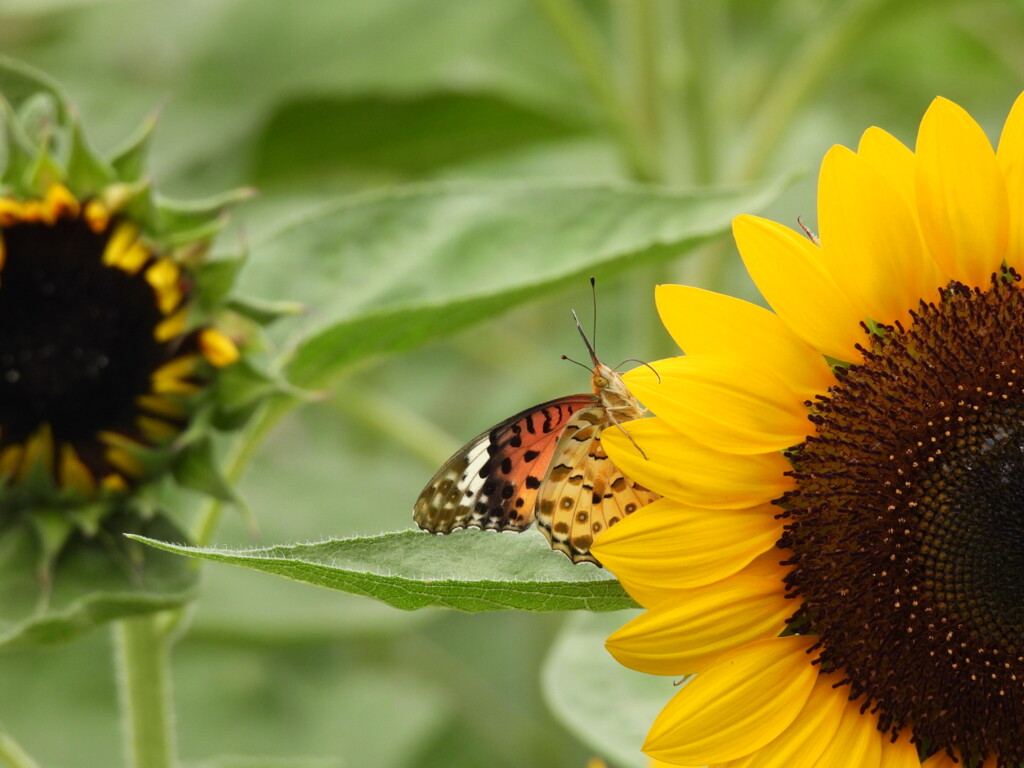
[(583, 492), (492, 481)]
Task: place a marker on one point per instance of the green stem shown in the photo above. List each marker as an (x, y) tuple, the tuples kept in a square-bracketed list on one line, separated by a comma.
[(807, 67), (12, 754), (401, 425), (142, 653), (240, 455), (698, 33), (641, 21), (584, 45)]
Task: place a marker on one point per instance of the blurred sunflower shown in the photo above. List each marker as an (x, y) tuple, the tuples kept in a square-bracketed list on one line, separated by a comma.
[(96, 357), (114, 368), (840, 554)]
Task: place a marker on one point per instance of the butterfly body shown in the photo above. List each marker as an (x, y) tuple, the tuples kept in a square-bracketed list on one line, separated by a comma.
[(545, 464)]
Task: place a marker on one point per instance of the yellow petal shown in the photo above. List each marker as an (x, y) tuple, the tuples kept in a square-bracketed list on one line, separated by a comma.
[(163, 276), (680, 468), (38, 452), (10, 459), (161, 406), (696, 626), (170, 377), (61, 202), (96, 215), (868, 235), (1011, 160), (10, 211), (893, 160), (961, 195), (723, 402), (217, 348), (171, 326), (857, 741), (124, 462), (163, 273), (668, 546), (808, 736), (704, 323), (901, 754), (121, 453), (73, 472), (124, 237), (115, 483), (737, 705), (133, 258), (789, 272), (157, 430), (941, 760), (34, 210)]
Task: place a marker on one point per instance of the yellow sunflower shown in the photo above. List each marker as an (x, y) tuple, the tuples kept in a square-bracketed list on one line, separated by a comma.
[(839, 557)]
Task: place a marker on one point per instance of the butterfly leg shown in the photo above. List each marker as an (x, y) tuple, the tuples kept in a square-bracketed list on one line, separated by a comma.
[(610, 410)]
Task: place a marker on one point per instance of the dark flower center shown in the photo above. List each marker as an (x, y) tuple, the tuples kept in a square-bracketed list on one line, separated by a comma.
[(906, 529), (76, 336)]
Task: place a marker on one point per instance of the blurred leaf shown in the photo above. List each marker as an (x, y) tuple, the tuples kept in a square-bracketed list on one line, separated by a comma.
[(227, 64), (246, 761), (19, 82), (608, 707), (394, 137), (95, 579), (196, 467), (84, 165), (469, 571), (387, 272)]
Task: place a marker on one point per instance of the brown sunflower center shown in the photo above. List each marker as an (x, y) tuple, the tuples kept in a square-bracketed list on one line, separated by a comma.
[(76, 336), (906, 528), (970, 525)]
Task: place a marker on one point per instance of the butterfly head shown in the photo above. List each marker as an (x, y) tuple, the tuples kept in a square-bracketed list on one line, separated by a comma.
[(609, 386)]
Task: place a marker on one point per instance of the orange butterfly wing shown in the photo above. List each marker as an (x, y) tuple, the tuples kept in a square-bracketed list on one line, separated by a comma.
[(492, 481), (583, 492)]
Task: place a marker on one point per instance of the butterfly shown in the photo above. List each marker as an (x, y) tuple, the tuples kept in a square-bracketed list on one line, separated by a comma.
[(545, 464)]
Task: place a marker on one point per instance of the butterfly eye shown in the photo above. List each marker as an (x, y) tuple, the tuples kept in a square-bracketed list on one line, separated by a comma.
[(600, 382)]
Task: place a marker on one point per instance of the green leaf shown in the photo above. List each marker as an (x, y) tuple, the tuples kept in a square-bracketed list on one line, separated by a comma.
[(191, 220), (246, 761), (19, 82), (215, 278), (18, 153), (129, 159), (607, 706), (196, 467), (263, 311), (87, 172), (386, 272), (468, 570), (95, 579), (394, 137)]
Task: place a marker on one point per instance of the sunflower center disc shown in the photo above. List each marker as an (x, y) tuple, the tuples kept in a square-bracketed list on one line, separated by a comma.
[(905, 532), (76, 336), (971, 526)]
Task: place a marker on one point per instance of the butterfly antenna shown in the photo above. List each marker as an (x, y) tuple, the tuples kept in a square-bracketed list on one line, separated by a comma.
[(642, 362), (583, 334), (593, 303), (577, 362)]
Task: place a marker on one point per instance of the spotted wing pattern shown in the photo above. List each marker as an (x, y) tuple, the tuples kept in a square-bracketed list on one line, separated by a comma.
[(583, 492), (492, 481)]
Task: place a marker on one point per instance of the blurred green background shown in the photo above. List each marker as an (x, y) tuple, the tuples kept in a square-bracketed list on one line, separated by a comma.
[(317, 98)]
